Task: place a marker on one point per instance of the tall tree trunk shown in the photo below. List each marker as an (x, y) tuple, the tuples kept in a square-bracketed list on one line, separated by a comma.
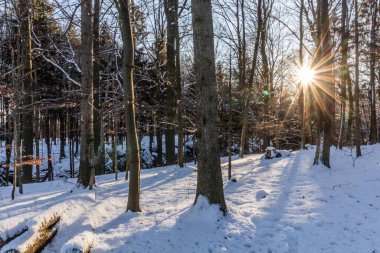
[(179, 95), (246, 94), (230, 120), (318, 92), (129, 104), (99, 148), (159, 146), (16, 152), (327, 80), (358, 136), (350, 119), (37, 142), (86, 166), (344, 75), (266, 91), (171, 12), (209, 178), (373, 60), (8, 140), (27, 84), (301, 88)]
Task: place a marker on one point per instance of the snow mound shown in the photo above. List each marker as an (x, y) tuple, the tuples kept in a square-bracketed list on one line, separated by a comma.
[(79, 243)]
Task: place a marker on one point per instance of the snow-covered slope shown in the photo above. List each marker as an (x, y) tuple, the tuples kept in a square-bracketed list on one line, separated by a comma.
[(278, 205)]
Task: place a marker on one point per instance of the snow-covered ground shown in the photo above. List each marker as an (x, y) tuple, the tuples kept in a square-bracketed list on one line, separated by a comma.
[(278, 205)]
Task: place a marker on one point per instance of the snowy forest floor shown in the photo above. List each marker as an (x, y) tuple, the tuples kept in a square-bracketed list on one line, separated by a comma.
[(279, 205)]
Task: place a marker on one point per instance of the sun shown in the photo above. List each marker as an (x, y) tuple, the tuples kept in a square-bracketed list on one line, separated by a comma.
[(306, 75)]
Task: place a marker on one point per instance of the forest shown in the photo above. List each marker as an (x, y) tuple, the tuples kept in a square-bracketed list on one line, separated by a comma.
[(189, 126)]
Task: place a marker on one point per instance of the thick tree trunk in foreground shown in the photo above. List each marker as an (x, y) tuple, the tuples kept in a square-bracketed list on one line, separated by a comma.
[(129, 103), (209, 179), (327, 80), (86, 167), (171, 12), (98, 119), (27, 83)]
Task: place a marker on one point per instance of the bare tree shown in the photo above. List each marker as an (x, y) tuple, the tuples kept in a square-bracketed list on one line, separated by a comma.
[(27, 86), (86, 167), (123, 7), (373, 47), (357, 91), (209, 178)]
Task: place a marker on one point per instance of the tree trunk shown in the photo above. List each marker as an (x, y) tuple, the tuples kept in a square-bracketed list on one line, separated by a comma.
[(37, 142), (373, 60), (357, 91), (171, 12), (350, 119), (27, 86), (8, 141), (246, 94), (344, 75), (209, 178), (179, 95), (159, 146), (327, 80), (98, 122), (230, 120), (86, 167), (62, 140), (266, 91), (301, 88), (16, 152), (129, 104), (48, 145)]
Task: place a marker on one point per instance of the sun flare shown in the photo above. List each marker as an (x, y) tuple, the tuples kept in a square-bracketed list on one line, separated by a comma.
[(306, 75)]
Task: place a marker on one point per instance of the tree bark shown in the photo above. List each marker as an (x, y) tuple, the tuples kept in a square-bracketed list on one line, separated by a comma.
[(171, 12), (62, 139), (27, 86), (266, 91), (86, 166), (230, 120), (301, 88), (129, 103), (246, 94), (209, 178), (48, 145), (327, 81), (344, 75), (99, 148), (357, 91), (373, 47)]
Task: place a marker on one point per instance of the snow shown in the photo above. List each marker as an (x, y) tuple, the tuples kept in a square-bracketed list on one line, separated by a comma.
[(277, 205)]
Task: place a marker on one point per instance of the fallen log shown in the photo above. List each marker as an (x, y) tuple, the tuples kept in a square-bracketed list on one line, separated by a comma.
[(9, 238), (49, 224), (45, 234), (43, 239)]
